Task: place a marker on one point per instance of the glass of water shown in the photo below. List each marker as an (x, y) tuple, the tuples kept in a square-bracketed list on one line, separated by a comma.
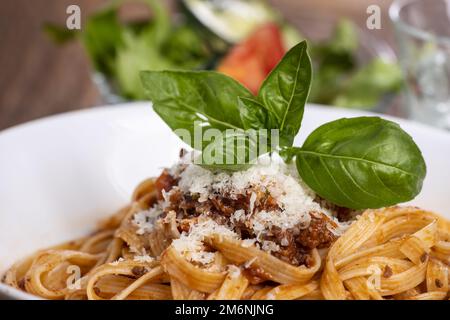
[(423, 34)]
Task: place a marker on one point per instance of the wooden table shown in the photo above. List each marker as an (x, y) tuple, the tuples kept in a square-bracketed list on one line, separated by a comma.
[(39, 78)]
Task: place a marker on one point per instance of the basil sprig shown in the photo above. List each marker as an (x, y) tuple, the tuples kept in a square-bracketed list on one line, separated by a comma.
[(358, 163)]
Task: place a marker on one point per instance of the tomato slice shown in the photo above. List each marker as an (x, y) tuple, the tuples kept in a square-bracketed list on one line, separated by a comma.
[(250, 61)]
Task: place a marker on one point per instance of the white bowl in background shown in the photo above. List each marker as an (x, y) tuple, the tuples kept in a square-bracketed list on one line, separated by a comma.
[(61, 174)]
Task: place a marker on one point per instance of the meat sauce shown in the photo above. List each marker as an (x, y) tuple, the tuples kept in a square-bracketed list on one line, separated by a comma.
[(295, 243), (164, 182)]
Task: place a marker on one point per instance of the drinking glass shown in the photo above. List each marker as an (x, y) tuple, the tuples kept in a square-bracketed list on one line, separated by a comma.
[(423, 33)]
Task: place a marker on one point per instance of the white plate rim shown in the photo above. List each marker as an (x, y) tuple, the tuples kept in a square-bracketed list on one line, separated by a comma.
[(12, 293)]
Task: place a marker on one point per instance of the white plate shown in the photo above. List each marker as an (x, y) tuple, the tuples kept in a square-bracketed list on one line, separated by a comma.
[(60, 175)]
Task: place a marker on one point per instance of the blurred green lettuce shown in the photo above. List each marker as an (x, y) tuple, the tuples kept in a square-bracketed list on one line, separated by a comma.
[(120, 51), (339, 80)]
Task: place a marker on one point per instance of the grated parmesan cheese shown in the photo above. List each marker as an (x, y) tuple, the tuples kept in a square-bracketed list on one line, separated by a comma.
[(270, 246), (341, 227), (190, 244), (238, 216), (144, 220), (196, 180), (143, 258), (234, 271), (252, 202), (371, 217), (248, 243), (250, 262), (115, 263), (273, 293)]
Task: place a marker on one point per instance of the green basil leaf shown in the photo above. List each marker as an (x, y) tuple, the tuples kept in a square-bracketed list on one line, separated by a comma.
[(231, 152), (252, 113), (190, 99), (360, 163), (255, 115), (286, 90), (288, 153)]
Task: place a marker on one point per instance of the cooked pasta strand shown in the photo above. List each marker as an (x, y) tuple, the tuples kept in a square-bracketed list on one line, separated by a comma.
[(391, 253)]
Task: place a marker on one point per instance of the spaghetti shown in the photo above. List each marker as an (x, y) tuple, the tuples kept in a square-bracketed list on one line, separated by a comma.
[(146, 253)]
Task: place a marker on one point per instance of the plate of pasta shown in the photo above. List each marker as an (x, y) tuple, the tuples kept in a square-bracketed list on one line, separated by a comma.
[(109, 203)]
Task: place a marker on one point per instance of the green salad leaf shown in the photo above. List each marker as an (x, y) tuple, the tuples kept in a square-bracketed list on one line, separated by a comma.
[(364, 162), (102, 36), (344, 39), (121, 50), (341, 80), (58, 34), (369, 84), (132, 57), (185, 48)]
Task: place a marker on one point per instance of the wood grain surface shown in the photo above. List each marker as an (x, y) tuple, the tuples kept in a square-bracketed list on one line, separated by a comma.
[(38, 78)]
